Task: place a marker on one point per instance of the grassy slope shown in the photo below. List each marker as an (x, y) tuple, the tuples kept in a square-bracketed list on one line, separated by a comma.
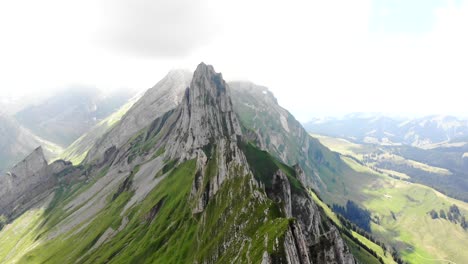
[(412, 231), (174, 236), (362, 255), (358, 151), (282, 135)]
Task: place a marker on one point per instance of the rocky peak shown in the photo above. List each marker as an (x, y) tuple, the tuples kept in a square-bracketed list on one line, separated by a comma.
[(206, 113), (207, 128), (31, 165), (165, 96), (28, 182), (210, 107)]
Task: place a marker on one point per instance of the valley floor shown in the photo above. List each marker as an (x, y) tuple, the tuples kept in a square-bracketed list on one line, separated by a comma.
[(399, 209)]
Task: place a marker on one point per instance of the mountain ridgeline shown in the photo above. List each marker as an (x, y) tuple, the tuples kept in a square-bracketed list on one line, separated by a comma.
[(67, 115), (16, 142), (192, 185), (378, 129)]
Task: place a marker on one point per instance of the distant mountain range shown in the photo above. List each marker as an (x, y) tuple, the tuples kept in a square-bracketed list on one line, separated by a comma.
[(16, 142), (420, 132), (54, 122), (65, 116)]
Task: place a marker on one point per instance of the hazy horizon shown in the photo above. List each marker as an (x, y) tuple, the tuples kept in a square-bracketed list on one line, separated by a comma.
[(19, 102)]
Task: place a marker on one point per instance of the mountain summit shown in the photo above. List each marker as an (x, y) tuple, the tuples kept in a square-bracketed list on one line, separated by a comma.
[(206, 114), (186, 188)]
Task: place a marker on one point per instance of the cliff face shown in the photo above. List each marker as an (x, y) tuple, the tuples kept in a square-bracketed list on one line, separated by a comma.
[(207, 129), (28, 182), (206, 113), (274, 129), (162, 97), (190, 188), (310, 238)]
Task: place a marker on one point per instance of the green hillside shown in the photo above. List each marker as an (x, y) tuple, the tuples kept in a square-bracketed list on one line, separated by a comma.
[(355, 240), (160, 229), (400, 210)]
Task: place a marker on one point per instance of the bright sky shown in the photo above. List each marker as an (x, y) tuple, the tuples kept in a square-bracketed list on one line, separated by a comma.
[(318, 57)]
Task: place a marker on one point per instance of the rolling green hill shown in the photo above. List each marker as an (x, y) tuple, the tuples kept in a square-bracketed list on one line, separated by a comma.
[(400, 209)]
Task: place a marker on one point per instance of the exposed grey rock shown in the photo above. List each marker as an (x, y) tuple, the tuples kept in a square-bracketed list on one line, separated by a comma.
[(308, 230), (205, 115), (293, 255), (143, 183), (277, 131), (281, 192), (28, 182), (300, 174), (164, 96), (16, 142), (206, 127), (266, 258)]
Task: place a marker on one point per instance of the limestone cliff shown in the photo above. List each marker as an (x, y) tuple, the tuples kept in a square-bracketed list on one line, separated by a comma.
[(28, 182), (187, 188), (162, 97), (207, 128)]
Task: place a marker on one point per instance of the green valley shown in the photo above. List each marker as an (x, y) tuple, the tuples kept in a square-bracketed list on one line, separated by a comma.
[(400, 209)]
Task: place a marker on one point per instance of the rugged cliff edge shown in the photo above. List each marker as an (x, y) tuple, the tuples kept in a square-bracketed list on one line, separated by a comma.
[(162, 97), (188, 188), (204, 127), (28, 182)]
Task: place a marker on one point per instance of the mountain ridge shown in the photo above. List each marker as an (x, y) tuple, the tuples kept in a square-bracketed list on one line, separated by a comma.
[(239, 202), (16, 142), (28, 182), (65, 116), (380, 129)]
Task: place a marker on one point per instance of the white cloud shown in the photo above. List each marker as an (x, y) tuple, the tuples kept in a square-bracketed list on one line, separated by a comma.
[(164, 28), (318, 57)]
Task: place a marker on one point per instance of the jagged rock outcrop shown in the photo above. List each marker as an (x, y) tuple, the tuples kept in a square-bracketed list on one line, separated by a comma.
[(191, 181), (205, 114), (162, 97), (16, 142), (308, 239), (29, 181), (208, 129), (274, 129)]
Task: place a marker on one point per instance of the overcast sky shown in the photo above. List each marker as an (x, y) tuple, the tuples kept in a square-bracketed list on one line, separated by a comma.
[(318, 57)]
